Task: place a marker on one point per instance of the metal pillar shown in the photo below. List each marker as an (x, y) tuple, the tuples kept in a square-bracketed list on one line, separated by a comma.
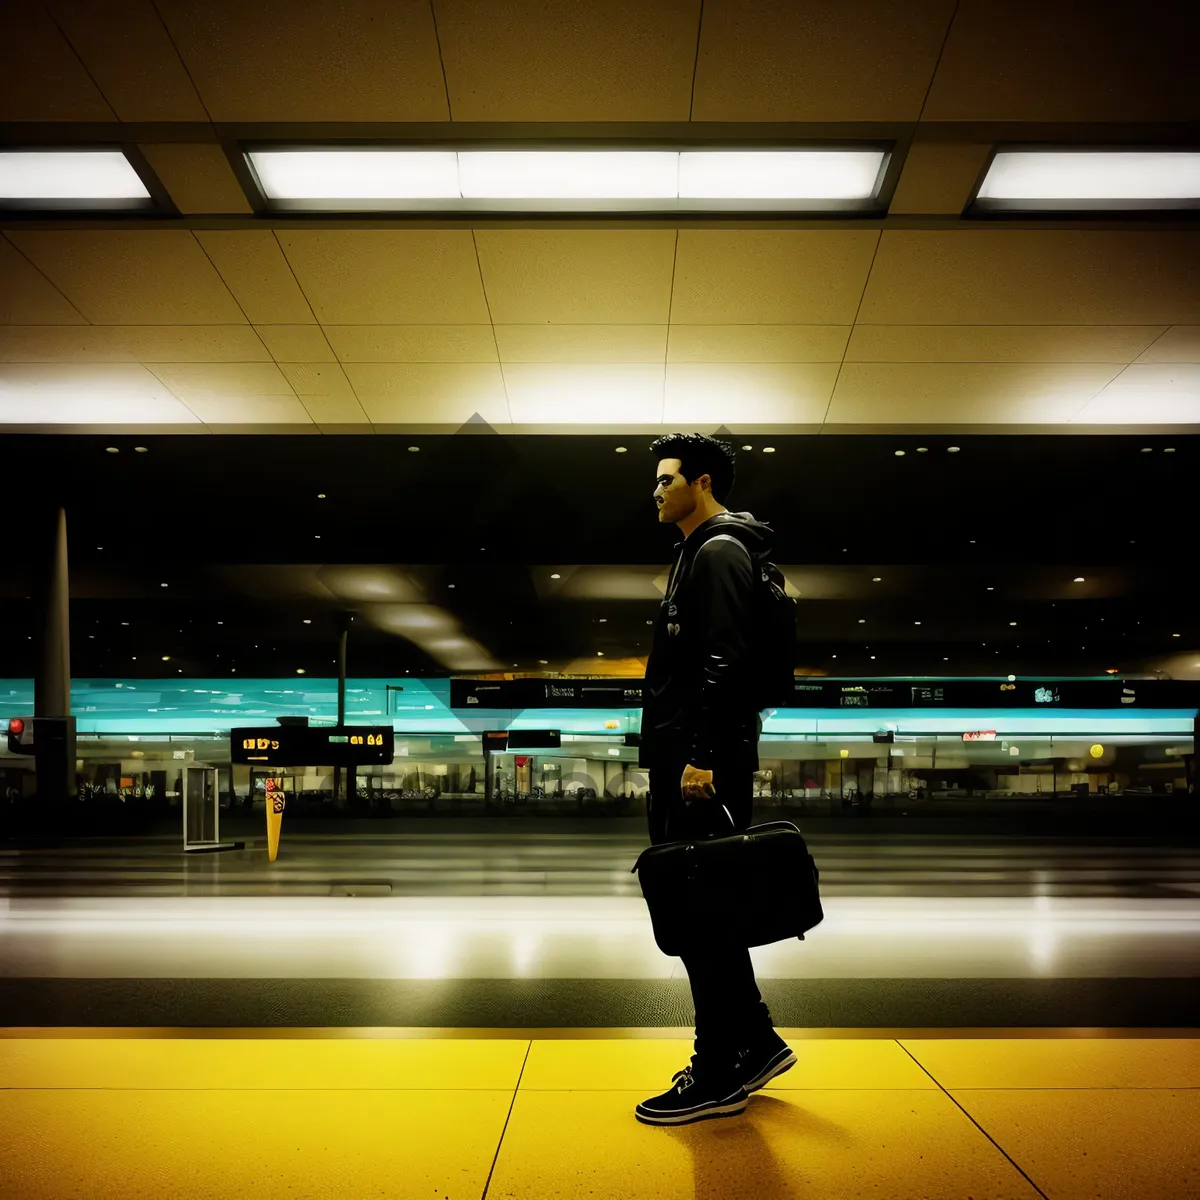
[(54, 742)]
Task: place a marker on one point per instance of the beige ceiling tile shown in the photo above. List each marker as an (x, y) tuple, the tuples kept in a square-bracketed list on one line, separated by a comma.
[(128, 53), (1031, 61), (197, 382), (197, 177), (1180, 343), (757, 343), (577, 276), (304, 426), (325, 393), (86, 394), (1000, 343), (939, 177), (194, 343), (296, 343), (251, 409), (748, 393), (256, 272), (823, 60), (63, 344), (27, 297), (559, 60), (335, 410), (412, 343), (1149, 393), (388, 276), (430, 393), (981, 393), (359, 60), (582, 343), (318, 379), (1034, 277), (131, 343), (770, 277), (43, 79), (572, 394), (132, 277)]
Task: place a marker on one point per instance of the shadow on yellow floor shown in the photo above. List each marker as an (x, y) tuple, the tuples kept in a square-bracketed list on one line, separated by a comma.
[(943, 1118)]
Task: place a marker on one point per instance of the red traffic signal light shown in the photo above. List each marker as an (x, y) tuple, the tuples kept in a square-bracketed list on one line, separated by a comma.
[(20, 735)]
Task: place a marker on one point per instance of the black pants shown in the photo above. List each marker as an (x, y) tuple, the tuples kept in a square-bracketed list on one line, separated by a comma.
[(730, 1012)]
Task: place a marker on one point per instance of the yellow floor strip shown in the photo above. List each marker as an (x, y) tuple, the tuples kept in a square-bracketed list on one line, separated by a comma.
[(648, 1065), (1112, 1063), (440, 1032), (1071, 1117), (787, 1144)]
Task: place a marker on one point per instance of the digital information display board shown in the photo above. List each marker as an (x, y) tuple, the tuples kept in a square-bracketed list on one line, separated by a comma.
[(313, 746), (500, 740), (817, 692), (546, 693), (994, 694)]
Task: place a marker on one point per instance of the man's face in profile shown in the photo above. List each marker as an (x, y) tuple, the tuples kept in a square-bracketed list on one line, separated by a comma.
[(672, 493)]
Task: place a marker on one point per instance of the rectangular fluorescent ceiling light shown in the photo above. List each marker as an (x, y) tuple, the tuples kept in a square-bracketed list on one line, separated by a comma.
[(1066, 180), (569, 180), (66, 179)]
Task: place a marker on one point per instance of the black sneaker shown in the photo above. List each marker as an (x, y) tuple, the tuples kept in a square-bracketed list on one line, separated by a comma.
[(768, 1057), (694, 1096)]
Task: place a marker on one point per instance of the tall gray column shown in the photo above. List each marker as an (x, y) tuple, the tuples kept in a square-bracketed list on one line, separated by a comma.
[(54, 739), (346, 619), (341, 702)]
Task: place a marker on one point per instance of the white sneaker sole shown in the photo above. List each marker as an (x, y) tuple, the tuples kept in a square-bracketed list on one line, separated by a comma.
[(787, 1061), (685, 1118)]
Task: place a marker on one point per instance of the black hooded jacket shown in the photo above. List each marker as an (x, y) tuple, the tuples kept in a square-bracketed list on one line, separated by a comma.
[(695, 703)]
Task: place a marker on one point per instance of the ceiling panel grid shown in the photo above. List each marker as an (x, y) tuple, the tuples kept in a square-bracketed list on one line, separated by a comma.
[(924, 319)]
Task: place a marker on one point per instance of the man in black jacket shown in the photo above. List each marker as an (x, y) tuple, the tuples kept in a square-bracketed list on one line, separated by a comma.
[(700, 740)]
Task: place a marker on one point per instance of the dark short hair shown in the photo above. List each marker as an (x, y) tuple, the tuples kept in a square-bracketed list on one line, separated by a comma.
[(699, 455)]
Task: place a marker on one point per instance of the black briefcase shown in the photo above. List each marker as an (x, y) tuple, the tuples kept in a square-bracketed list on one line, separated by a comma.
[(750, 888)]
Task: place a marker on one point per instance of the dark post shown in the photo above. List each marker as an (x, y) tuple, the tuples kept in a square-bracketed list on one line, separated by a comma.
[(1190, 760), (54, 750), (344, 619), (341, 711)]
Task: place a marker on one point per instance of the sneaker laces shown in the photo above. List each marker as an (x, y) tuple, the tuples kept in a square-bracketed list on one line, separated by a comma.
[(694, 1073)]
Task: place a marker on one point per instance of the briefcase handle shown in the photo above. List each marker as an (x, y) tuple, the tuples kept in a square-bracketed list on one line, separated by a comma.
[(712, 830), (667, 826)]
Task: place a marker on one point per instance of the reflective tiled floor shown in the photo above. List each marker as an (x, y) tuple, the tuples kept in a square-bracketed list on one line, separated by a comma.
[(1064, 1117), (399, 929), (582, 938), (549, 858)]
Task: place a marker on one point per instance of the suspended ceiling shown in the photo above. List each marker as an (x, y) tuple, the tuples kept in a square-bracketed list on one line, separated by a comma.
[(219, 318)]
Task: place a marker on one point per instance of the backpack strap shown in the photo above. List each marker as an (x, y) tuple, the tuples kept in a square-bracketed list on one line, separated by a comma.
[(723, 537), (728, 537)]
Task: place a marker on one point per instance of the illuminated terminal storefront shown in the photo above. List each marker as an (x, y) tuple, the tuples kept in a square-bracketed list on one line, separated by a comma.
[(538, 747)]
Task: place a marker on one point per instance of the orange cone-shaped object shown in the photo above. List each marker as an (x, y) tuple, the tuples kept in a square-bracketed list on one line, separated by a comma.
[(275, 803)]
